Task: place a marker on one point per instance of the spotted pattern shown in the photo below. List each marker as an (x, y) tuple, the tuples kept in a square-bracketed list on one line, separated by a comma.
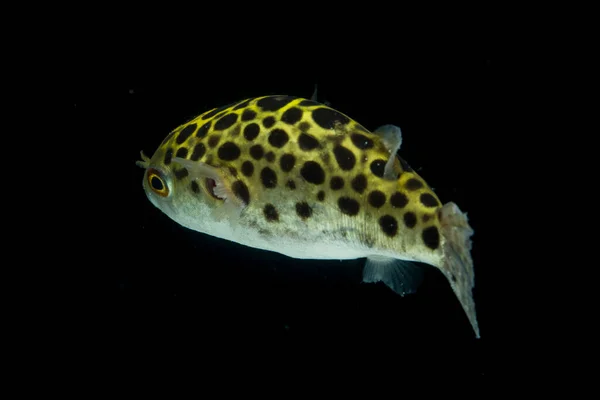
[(195, 187), (247, 168), (257, 151), (413, 184), (168, 156), (216, 111), (268, 178), (398, 200), (270, 156), (321, 195), (278, 138), (376, 198), (307, 142), (213, 141), (201, 133), (361, 141), (303, 210), (313, 173), (348, 205), (181, 173), (226, 122), (306, 103), (410, 219), (185, 133), (292, 115), (251, 131), (248, 115), (274, 103), (268, 122), (182, 152), (242, 104), (291, 184), (240, 190), (229, 151), (199, 150), (428, 200), (271, 213), (344, 157), (327, 118), (336, 183), (378, 167), (431, 237), (304, 126), (359, 183), (388, 225), (287, 162)]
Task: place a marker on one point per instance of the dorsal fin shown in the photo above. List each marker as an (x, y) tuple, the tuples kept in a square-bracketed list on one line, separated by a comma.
[(314, 95), (391, 136)]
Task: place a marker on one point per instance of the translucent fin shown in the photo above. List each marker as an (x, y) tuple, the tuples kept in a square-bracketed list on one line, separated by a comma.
[(391, 136), (145, 160), (458, 264), (403, 277), (232, 205), (314, 95)]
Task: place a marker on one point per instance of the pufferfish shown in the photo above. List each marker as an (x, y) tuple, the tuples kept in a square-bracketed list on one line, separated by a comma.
[(295, 176)]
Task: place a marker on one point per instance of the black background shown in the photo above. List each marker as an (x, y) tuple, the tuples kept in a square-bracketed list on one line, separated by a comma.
[(151, 287)]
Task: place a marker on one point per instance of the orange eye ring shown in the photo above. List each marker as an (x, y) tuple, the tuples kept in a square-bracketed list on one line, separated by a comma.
[(157, 183)]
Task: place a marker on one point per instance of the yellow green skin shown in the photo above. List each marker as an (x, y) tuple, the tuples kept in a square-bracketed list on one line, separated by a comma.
[(298, 210)]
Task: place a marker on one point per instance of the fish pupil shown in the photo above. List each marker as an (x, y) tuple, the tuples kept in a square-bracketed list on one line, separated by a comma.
[(156, 183)]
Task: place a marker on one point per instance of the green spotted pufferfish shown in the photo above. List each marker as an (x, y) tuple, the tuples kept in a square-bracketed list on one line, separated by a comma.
[(294, 176)]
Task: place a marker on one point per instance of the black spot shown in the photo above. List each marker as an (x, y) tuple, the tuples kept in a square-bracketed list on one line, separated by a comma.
[(168, 156), (306, 103), (268, 177), (182, 152), (345, 158), (303, 210), (312, 172), (216, 111), (242, 104), (278, 138), (359, 184), (195, 187), (399, 200), (270, 156), (287, 162), (240, 190), (268, 122), (404, 164), (307, 142), (427, 217), (431, 237), (226, 122), (321, 195), (251, 131), (181, 173), (413, 184), (389, 225), (304, 126), (348, 206), (185, 133), (428, 200), (247, 168), (274, 103), (410, 219), (235, 131), (376, 198), (292, 116), (361, 141), (257, 151), (336, 183), (198, 152), (203, 130), (378, 168), (213, 141), (327, 118), (291, 184), (233, 171), (271, 213), (229, 151), (169, 136), (248, 115)]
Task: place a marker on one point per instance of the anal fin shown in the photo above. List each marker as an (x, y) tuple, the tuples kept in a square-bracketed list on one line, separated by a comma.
[(403, 277)]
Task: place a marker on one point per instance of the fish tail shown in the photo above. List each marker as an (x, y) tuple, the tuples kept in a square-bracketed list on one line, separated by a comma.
[(457, 265)]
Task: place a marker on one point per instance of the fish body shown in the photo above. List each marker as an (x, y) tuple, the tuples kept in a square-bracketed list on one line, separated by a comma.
[(297, 177)]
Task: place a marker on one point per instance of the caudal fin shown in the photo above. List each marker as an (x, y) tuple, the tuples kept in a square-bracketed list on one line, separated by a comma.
[(458, 264)]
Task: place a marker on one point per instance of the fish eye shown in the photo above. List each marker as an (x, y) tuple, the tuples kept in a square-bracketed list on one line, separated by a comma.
[(157, 183)]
